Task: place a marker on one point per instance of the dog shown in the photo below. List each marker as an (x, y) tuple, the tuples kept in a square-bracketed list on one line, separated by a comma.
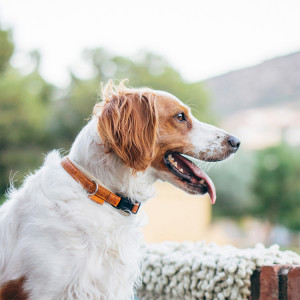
[(73, 229)]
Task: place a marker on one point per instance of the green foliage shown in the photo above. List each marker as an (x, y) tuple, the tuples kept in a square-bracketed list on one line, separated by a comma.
[(233, 180), (277, 186), (6, 49), (24, 104), (264, 184)]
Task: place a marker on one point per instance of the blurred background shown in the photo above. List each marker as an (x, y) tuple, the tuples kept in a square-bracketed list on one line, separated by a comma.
[(236, 63)]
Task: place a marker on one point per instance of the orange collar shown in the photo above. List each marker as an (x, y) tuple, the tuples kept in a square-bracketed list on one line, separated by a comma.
[(98, 193)]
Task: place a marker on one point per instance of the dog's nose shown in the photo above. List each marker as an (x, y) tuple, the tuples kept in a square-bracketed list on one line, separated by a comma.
[(234, 143)]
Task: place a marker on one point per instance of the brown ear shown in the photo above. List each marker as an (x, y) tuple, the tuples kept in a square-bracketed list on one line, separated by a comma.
[(127, 125)]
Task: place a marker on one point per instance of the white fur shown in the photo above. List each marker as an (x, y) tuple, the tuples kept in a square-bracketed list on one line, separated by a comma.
[(65, 245), (208, 140)]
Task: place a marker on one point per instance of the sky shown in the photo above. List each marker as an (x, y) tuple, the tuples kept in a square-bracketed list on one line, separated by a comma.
[(201, 39)]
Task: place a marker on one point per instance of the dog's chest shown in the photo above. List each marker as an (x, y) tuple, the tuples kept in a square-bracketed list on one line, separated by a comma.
[(107, 260)]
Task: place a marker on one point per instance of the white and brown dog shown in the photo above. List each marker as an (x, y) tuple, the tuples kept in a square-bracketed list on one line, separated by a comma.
[(56, 243)]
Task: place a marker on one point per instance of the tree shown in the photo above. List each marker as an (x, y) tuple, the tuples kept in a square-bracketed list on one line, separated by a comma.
[(6, 48), (24, 109), (233, 180), (277, 185)]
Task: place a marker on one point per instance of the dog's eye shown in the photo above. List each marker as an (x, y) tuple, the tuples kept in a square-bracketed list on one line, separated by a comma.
[(180, 117)]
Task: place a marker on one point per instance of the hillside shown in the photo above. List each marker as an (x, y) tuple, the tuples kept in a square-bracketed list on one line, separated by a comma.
[(273, 82)]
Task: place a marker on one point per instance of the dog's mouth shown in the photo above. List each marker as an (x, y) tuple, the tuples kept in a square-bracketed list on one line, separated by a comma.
[(189, 173)]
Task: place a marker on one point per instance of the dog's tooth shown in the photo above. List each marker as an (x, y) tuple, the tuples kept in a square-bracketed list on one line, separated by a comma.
[(181, 170), (175, 164), (170, 158), (202, 181)]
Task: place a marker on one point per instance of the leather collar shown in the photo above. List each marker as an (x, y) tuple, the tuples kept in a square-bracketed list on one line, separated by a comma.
[(98, 193)]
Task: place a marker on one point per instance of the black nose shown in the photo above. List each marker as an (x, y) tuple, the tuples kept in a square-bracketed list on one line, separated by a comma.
[(234, 142)]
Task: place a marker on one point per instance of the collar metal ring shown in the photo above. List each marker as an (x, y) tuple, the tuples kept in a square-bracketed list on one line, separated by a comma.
[(96, 190)]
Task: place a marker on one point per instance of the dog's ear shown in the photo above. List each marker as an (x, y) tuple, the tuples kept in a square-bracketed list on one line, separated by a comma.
[(127, 125)]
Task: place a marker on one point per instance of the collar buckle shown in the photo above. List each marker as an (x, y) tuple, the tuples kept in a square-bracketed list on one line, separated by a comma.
[(98, 193)]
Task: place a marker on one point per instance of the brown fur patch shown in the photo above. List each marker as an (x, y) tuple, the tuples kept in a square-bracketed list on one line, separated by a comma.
[(13, 290), (172, 135), (128, 127)]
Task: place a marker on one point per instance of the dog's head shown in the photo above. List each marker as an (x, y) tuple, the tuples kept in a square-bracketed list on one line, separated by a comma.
[(148, 128)]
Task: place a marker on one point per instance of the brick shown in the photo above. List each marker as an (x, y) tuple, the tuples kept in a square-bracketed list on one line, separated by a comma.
[(293, 283), (269, 282)]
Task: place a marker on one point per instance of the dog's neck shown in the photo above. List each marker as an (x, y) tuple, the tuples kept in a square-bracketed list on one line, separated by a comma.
[(88, 152)]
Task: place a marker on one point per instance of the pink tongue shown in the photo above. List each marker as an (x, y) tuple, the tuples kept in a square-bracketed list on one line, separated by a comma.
[(199, 173)]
